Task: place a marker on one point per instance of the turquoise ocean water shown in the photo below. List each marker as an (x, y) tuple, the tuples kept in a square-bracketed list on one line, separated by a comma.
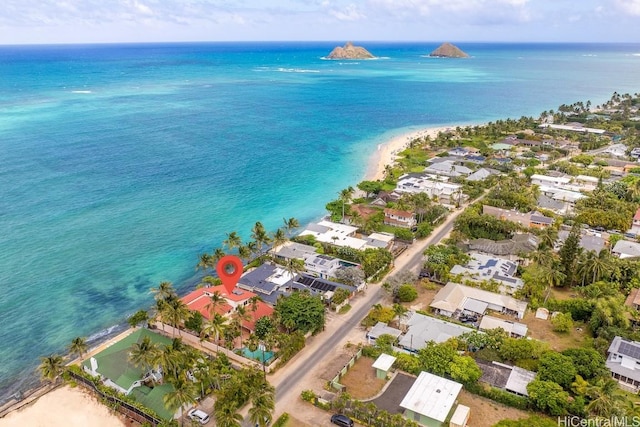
[(119, 164)]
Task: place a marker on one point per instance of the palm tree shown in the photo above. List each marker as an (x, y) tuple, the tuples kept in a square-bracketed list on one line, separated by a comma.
[(215, 326), (232, 241), (294, 266), (262, 406), (345, 197), (78, 346), (259, 236), (184, 393), (217, 255), (253, 303), (605, 401), (144, 353), (290, 224), (216, 300), (602, 264), (585, 266), (51, 367), (204, 261), (171, 358), (244, 252), (239, 317), (226, 415), (163, 291), (175, 311), (279, 237)]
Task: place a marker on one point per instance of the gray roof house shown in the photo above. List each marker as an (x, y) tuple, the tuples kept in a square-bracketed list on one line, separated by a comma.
[(623, 361), (587, 241), (292, 250), (422, 329), (382, 329), (482, 174), (519, 244), (456, 298), (626, 249)]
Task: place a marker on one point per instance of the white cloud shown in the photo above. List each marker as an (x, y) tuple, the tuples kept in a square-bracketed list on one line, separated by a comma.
[(631, 7), (349, 13)]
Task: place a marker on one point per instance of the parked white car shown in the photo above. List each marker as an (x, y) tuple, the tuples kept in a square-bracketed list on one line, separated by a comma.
[(198, 415)]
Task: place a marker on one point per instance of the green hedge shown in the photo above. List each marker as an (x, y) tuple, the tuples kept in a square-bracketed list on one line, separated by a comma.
[(282, 420), (501, 396)]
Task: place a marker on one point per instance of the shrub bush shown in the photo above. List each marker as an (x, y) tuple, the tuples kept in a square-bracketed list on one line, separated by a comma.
[(407, 293)]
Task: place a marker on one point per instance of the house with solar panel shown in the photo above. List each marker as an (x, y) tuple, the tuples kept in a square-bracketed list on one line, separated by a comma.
[(482, 268), (623, 361)]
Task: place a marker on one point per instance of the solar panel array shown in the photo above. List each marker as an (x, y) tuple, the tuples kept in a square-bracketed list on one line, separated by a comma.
[(629, 349)]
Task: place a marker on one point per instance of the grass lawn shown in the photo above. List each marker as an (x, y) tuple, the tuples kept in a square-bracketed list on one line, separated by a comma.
[(543, 330), (486, 412), (426, 291), (361, 380)]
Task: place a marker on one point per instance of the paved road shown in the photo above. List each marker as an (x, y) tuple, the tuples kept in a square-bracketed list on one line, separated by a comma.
[(325, 344)]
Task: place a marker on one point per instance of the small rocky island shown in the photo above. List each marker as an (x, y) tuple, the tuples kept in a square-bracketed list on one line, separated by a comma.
[(349, 51), (447, 50)]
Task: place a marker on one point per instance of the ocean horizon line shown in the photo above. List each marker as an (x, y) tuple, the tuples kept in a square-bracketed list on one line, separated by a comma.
[(339, 41)]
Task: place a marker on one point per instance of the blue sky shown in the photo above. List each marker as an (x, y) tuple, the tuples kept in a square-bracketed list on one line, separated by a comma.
[(97, 21)]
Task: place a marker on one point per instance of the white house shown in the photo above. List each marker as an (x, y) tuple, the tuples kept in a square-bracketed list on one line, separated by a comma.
[(430, 399), (487, 268), (455, 298), (443, 191), (623, 361)]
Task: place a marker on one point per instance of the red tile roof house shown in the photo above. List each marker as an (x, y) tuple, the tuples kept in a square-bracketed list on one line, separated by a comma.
[(399, 218), (200, 300)]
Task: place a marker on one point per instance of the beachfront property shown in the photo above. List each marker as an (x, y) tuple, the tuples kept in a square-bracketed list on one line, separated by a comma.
[(342, 235), (291, 250), (514, 329), (511, 249), (530, 219), (456, 299), (114, 367), (623, 360), (626, 249), (444, 192), (421, 329), (399, 218), (200, 300), (430, 399), (271, 281), (482, 268), (573, 127), (323, 266)]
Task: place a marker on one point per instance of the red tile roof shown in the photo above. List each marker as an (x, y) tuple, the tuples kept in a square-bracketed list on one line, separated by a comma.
[(636, 217), (199, 300), (262, 310)]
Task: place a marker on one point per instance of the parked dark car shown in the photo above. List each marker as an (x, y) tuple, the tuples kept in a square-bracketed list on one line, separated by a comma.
[(341, 420)]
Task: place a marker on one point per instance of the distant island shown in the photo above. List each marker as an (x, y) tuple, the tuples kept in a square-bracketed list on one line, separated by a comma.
[(447, 50), (349, 51)]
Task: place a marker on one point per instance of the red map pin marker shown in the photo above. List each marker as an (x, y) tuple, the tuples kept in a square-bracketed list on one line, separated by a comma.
[(229, 270)]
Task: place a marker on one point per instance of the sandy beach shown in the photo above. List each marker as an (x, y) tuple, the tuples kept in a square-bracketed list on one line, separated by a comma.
[(63, 407), (387, 152)]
